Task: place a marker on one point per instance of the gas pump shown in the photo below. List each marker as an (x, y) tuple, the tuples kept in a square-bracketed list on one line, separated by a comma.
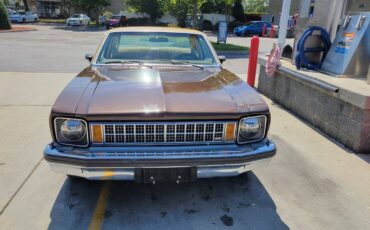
[(349, 55)]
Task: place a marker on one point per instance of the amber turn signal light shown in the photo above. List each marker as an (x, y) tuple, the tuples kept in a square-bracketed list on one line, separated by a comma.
[(230, 132), (97, 134)]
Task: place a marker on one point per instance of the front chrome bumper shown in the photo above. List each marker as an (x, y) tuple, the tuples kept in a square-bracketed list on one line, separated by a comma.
[(118, 163)]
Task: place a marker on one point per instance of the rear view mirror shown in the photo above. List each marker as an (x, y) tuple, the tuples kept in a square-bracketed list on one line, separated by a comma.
[(158, 39), (88, 57), (222, 58)]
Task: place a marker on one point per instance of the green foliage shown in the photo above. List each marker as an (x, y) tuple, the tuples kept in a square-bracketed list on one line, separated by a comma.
[(213, 6), (178, 8), (4, 19), (228, 47), (152, 8), (256, 6), (89, 5), (238, 11), (107, 14)]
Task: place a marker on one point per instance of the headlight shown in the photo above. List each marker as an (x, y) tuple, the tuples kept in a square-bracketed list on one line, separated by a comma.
[(252, 129), (71, 131)]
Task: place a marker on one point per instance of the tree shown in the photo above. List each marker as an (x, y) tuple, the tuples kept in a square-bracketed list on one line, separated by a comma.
[(238, 11), (89, 5), (195, 13), (256, 6), (65, 7), (4, 19), (213, 6), (152, 8), (26, 7), (177, 8)]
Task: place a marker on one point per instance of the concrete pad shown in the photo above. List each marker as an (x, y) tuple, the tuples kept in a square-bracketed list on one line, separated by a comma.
[(25, 103), (314, 181), (39, 89), (31, 208)]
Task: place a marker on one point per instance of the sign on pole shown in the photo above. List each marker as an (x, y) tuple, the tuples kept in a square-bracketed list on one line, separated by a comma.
[(222, 32)]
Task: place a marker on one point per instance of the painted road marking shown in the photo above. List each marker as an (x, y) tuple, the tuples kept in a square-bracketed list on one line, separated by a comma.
[(99, 211)]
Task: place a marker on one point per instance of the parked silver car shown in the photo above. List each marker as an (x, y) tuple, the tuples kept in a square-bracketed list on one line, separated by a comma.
[(78, 20), (23, 17)]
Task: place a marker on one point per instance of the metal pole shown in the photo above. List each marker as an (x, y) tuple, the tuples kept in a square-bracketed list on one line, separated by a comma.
[(284, 22)]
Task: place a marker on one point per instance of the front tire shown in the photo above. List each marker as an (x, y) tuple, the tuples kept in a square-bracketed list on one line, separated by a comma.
[(23, 20)]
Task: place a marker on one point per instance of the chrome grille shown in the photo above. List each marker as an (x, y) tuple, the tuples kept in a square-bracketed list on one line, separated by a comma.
[(202, 132)]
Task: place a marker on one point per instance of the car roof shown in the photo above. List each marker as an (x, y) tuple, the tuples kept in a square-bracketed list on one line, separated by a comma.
[(155, 29)]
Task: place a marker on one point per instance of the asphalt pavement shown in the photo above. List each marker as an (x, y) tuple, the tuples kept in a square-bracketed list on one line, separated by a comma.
[(312, 183)]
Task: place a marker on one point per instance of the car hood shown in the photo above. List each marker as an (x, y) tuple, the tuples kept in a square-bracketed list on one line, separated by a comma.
[(128, 91)]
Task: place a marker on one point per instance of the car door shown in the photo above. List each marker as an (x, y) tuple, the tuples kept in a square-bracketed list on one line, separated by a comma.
[(254, 28), (29, 17)]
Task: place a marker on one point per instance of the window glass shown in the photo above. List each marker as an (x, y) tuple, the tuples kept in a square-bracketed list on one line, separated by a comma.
[(156, 47)]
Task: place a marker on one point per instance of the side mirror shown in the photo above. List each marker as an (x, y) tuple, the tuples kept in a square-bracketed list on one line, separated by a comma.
[(88, 57), (222, 58)]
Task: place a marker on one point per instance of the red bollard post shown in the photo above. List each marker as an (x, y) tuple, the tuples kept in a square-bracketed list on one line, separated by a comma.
[(272, 31), (253, 55)]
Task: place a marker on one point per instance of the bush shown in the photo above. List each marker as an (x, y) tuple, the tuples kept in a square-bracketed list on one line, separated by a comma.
[(4, 19), (138, 22)]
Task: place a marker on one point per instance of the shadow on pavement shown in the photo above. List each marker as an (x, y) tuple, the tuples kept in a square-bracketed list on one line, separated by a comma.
[(241, 202), (79, 28)]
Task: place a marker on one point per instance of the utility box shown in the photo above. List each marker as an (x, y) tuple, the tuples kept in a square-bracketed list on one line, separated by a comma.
[(349, 55)]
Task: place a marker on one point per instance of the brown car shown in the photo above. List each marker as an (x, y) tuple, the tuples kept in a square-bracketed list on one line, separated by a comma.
[(155, 104)]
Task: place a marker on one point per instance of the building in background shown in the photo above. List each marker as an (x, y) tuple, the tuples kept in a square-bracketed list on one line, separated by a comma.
[(274, 10), (54, 8)]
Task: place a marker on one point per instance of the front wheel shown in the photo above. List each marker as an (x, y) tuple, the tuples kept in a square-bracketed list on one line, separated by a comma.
[(246, 33), (23, 20)]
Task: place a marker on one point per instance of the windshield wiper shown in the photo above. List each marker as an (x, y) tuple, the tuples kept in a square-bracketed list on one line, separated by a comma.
[(176, 62), (122, 62), (127, 62)]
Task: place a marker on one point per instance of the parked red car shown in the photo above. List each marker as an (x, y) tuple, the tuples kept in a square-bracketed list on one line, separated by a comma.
[(116, 21)]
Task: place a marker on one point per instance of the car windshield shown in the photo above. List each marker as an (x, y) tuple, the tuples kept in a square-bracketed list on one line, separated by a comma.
[(156, 47), (76, 16), (21, 13)]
